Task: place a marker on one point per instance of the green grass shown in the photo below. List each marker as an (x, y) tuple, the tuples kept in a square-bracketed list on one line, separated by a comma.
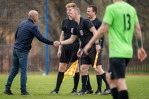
[(40, 86)]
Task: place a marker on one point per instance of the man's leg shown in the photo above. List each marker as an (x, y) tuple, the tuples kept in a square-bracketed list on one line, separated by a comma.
[(99, 83), (100, 74), (76, 81), (23, 60), (121, 83), (73, 57), (84, 72), (113, 87), (122, 88), (13, 73), (89, 87), (117, 69), (100, 71), (60, 76)]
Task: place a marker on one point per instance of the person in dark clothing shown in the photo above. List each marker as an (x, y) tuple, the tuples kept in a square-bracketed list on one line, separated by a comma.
[(25, 33), (84, 30), (91, 13), (67, 53)]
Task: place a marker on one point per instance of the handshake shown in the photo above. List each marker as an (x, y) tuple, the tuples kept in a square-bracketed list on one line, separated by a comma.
[(56, 43)]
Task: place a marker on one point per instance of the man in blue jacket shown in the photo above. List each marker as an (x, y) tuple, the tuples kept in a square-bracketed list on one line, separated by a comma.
[(25, 33)]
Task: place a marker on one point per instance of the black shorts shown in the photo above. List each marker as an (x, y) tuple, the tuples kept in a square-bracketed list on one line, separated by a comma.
[(90, 58), (69, 53), (118, 67)]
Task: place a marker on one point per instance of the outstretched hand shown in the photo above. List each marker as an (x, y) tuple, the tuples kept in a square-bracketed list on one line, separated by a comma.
[(56, 43), (141, 54)]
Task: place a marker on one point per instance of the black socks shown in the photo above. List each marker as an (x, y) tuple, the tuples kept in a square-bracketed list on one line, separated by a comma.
[(89, 87), (84, 82), (123, 94), (76, 80), (60, 77), (114, 93), (99, 82), (119, 95), (103, 76)]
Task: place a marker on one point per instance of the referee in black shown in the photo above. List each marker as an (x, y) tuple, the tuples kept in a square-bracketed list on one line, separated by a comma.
[(84, 30), (67, 53), (91, 13)]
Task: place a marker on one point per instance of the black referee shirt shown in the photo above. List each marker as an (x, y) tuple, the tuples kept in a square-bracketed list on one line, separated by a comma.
[(97, 24), (83, 31), (68, 28)]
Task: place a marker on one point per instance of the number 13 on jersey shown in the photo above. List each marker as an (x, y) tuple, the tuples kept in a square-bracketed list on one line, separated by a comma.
[(127, 22)]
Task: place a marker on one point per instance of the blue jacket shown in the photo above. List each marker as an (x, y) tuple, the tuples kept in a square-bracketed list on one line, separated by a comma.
[(25, 33)]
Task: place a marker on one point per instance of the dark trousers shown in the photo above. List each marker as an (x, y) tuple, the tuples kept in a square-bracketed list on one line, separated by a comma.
[(20, 60)]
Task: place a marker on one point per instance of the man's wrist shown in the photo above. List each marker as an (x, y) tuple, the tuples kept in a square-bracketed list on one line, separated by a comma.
[(97, 43), (140, 45), (80, 48), (60, 43)]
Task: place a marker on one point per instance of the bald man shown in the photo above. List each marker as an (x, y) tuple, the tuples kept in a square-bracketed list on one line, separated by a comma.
[(25, 33)]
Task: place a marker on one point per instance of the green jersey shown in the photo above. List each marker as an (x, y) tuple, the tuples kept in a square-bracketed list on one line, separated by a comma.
[(121, 18)]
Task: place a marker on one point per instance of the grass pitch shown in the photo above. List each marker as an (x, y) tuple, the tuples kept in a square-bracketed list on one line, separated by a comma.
[(40, 86)]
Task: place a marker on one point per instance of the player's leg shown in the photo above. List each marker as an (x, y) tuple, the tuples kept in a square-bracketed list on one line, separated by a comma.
[(121, 82), (112, 84), (118, 67), (122, 88)]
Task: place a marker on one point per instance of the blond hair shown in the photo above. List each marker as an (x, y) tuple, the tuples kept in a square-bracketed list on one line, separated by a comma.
[(71, 5)]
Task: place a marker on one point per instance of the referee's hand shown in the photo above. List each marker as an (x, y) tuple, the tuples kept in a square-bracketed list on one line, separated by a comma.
[(86, 48), (59, 53), (98, 48), (79, 53)]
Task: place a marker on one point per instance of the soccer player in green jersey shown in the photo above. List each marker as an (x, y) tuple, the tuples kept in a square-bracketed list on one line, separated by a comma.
[(120, 20)]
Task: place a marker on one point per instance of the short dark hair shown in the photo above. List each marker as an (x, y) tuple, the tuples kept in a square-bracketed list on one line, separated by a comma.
[(94, 8)]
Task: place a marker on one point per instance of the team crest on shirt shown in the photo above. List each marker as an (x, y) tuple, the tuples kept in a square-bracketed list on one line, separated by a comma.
[(72, 30), (81, 32)]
